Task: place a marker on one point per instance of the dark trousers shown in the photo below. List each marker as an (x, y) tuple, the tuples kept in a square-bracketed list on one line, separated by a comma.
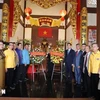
[(94, 84), (18, 73), (77, 75), (26, 68), (87, 83), (24, 72), (69, 73), (9, 77), (50, 66)]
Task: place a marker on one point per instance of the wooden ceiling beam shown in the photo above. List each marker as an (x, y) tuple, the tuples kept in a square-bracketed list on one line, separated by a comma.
[(1, 5), (92, 10), (29, 26), (54, 17)]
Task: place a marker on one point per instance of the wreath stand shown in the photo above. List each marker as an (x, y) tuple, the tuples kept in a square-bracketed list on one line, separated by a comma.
[(40, 63)]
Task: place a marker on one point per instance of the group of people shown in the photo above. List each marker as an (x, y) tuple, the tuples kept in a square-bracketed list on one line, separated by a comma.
[(85, 63), (13, 64)]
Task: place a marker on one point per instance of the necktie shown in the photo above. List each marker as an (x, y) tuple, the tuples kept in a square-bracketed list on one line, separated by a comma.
[(76, 53), (68, 51), (86, 61)]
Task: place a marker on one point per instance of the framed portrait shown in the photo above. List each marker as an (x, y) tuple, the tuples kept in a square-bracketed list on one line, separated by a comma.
[(91, 3), (92, 35), (1, 1)]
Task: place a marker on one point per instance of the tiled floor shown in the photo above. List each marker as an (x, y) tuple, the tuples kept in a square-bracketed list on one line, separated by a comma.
[(46, 89), (41, 88)]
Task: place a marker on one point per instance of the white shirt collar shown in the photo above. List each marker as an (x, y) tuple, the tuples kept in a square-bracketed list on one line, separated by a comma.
[(78, 50), (83, 51), (69, 49), (88, 53)]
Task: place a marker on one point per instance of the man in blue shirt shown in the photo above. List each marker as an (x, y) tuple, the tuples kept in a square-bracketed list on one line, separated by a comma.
[(26, 60), (19, 68)]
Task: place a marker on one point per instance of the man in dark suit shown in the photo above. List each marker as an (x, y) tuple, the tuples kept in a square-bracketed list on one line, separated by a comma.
[(76, 64), (83, 55), (82, 60), (87, 87), (69, 57)]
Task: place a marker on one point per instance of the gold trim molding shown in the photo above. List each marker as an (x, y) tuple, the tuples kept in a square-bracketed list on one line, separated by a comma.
[(45, 21), (48, 3), (83, 25)]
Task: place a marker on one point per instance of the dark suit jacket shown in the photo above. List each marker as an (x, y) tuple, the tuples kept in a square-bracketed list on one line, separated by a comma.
[(82, 60), (77, 59), (69, 57)]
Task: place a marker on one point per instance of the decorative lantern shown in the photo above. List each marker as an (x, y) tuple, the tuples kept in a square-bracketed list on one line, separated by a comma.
[(28, 10), (63, 13), (27, 17), (62, 18)]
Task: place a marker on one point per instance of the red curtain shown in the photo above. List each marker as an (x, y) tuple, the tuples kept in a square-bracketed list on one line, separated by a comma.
[(45, 32), (11, 10), (78, 19)]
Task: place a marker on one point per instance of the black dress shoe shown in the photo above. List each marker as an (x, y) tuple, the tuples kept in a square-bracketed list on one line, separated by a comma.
[(78, 85), (26, 79), (12, 87), (20, 80)]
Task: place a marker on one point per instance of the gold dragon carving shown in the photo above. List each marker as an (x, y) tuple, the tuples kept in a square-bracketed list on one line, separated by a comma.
[(83, 27), (5, 22), (73, 15), (17, 14)]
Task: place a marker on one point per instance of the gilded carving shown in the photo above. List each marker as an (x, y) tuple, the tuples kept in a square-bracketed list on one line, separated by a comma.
[(73, 15), (47, 3), (5, 22), (17, 13), (84, 25), (45, 21)]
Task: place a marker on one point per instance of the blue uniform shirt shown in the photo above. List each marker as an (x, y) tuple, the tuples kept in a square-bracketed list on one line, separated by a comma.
[(20, 57), (26, 57)]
